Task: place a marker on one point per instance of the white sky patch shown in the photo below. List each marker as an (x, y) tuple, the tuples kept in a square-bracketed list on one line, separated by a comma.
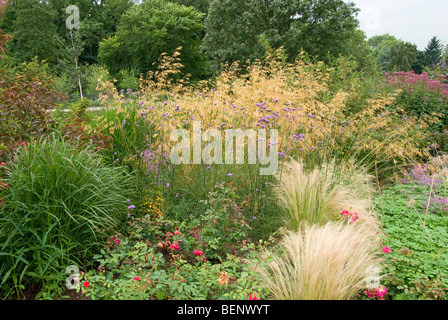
[(415, 21)]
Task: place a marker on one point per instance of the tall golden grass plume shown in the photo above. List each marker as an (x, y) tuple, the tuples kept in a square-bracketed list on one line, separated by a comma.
[(294, 103)]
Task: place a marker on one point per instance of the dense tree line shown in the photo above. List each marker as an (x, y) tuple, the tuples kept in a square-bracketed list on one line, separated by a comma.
[(127, 37), (393, 54)]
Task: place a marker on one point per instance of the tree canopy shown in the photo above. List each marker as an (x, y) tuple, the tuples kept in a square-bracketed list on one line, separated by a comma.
[(236, 29), (393, 54), (128, 36), (201, 5), (154, 27), (402, 58), (38, 17), (433, 52)]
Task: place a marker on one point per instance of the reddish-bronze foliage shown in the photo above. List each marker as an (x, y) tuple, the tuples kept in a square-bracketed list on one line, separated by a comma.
[(24, 108), (24, 105), (76, 132), (4, 38)]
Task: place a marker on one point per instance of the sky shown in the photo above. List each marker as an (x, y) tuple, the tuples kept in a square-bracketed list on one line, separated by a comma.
[(415, 21)]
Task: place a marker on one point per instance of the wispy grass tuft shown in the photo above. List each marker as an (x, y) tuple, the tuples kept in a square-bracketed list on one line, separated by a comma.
[(321, 263), (318, 196)]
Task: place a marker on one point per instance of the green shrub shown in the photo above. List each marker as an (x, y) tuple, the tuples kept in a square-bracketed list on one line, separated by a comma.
[(79, 107), (94, 74), (59, 200), (34, 69), (165, 260), (131, 130), (128, 79), (64, 84)]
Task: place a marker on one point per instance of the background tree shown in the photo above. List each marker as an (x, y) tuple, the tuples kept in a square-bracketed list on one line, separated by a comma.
[(228, 33), (3, 6), (73, 46), (34, 31), (402, 58), (234, 28), (201, 5), (376, 41), (419, 63), (433, 52), (359, 50), (154, 27), (440, 68), (382, 46), (100, 20), (394, 54), (101, 23)]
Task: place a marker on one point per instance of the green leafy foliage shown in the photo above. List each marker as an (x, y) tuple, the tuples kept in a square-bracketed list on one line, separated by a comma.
[(401, 58), (132, 132), (433, 52), (201, 5), (167, 26), (234, 29), (59, 199), (416, 266), (201, 259), (128, 79), (393, 54), (37, 16)]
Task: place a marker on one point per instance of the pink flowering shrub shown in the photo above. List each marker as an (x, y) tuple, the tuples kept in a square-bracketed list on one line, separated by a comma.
[(160, 260), (421, 96), (415, 82)]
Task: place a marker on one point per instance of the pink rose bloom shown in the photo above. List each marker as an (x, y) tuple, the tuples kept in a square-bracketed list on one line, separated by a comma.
[(198, 253), (386, 250), (354, 218), (175, 246), (370, 294), (381, 292), (253, 296), (137, 278), (345, 212)]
